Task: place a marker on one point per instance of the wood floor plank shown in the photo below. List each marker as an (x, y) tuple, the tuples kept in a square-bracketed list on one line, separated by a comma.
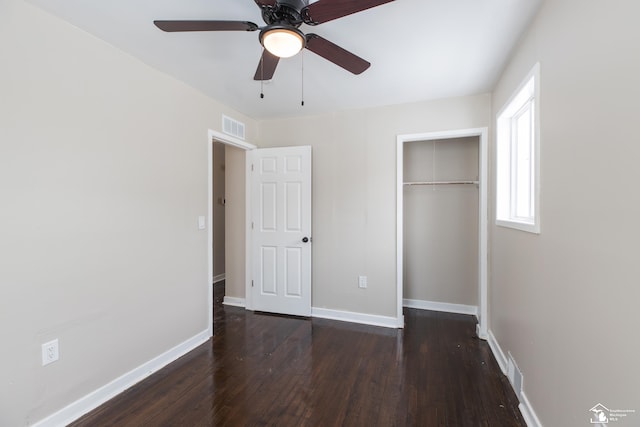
[(265, 370)]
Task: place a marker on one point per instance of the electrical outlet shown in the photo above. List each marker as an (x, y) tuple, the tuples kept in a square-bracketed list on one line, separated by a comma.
[(50, 352), (362, 282)]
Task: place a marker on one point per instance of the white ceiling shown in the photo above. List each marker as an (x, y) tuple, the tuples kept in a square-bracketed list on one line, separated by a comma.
[(419, 50)]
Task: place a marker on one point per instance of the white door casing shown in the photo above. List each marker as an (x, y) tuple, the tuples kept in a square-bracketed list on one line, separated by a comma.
[(483, 258), (281, 230)]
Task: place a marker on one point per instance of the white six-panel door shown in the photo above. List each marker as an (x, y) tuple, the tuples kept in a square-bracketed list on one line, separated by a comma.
[(281, 230)]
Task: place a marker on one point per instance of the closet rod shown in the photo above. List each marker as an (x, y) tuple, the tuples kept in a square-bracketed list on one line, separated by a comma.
[(440, 182)]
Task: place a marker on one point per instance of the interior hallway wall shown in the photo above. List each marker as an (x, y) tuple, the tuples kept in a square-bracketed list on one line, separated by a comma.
[(235, 223), (218, 209)]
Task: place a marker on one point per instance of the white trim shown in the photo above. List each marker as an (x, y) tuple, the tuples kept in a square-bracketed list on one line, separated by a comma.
[(525, 407), (400, 140), (483, 238), (480, 334), (212, 136), (510, 222), (218, 278), (325, 313), (527, 412), (248, 235), (210, 233), (233, 301), (350, 316), (482, 134), (441, 306), (230, 140), (497, 352), (108, 391)]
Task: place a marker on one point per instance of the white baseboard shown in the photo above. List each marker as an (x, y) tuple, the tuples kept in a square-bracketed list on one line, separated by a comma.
[(497, 352), (236, 302), (525, 407), (527, 412), (350, 316), (219, 278), (480, 334), (345, 316), (441, 306), (97, 397)]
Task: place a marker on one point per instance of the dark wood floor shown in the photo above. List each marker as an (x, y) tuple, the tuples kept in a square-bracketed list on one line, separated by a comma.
[(263, 370)]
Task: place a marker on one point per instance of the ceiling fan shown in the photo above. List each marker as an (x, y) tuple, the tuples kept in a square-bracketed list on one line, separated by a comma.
[(282, 38)]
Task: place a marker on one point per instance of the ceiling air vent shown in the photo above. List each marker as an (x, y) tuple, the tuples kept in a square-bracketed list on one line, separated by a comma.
[(232, 127)]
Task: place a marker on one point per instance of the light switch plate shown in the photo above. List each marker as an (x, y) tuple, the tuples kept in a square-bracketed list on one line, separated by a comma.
[(201, 222)]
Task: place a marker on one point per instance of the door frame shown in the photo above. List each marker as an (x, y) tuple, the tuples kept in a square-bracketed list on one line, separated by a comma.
[(214, 136), (483, 274)]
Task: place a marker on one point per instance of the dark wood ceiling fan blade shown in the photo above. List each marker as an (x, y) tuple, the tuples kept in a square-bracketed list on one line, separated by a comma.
[(336, 54), (174, 26), (328, 10), (267, 66)]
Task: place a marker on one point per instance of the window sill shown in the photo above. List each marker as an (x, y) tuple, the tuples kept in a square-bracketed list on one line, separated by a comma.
[(522, 226)]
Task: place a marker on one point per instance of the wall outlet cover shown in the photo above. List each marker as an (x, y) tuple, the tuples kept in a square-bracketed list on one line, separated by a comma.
[(362, 282), (50, 352)]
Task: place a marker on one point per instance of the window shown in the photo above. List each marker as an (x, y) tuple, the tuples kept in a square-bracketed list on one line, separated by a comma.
[(517, 162)]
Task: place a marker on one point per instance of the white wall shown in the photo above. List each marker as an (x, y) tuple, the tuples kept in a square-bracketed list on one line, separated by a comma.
[(103, 172), (565, 302), (354, 192)]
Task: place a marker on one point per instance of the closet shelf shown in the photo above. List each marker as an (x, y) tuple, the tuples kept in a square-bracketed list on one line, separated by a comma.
[(440, 182)]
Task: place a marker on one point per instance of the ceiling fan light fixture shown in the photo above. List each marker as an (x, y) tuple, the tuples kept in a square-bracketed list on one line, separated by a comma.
[(282, 41)]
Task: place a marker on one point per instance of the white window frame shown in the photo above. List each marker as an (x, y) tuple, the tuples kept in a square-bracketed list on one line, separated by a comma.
[(526, 99)]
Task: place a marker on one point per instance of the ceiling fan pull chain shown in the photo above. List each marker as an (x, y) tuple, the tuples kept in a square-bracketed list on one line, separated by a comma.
[(262, 76), (302, 59)]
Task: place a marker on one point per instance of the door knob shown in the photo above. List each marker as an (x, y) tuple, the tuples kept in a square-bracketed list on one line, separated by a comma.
[(305, 239)]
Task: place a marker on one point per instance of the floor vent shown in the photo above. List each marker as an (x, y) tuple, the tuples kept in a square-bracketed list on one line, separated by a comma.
[(232, 127), (514, 375)]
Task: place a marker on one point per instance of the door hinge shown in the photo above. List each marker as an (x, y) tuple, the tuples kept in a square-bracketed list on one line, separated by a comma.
[(252, 225), (251, 167)]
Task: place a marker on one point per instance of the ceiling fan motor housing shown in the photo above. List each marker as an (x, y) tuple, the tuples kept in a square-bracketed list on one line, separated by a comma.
[(297, 5), (285, 12)]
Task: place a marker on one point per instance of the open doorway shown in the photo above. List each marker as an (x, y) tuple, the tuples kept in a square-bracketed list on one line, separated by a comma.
[(218, 221), (227, 230)]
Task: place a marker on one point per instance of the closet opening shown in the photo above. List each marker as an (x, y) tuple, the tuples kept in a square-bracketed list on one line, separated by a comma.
[(442, 223)]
